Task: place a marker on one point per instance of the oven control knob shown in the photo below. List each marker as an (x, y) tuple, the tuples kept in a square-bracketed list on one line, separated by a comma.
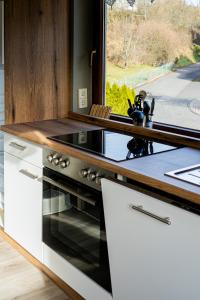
[(50, 158), (84, 173), (55, 161), (91, 176), (64, 163), (98, 179)]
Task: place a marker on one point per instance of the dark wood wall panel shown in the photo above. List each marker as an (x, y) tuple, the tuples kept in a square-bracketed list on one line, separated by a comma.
[(37, 60)]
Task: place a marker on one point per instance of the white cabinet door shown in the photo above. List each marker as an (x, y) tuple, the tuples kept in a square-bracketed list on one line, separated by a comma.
[(23, 204), (149, 259)]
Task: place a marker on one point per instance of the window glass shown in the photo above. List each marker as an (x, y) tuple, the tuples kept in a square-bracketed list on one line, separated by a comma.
[(154, 45)]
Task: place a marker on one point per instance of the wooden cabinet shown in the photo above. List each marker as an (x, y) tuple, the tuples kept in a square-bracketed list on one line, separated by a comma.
[(37, 60), (150, 258), (23, 202)]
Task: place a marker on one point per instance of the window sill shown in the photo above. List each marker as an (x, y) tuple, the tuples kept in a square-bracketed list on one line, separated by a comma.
[(126, 126), (161, 126)]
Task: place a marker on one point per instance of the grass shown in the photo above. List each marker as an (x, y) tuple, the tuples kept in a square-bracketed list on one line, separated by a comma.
[(197, 79), (114, 72), (183, 62)]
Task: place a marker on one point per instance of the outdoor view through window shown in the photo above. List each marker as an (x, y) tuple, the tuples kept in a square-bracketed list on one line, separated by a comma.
[(154, 45)]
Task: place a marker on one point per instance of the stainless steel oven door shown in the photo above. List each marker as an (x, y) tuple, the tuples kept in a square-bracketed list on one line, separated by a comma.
[(74, 226)]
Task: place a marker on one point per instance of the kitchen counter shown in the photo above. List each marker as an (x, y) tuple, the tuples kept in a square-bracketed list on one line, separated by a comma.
[(147, 170)]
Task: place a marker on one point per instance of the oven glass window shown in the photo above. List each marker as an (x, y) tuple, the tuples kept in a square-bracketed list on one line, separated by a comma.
[(73, 226)]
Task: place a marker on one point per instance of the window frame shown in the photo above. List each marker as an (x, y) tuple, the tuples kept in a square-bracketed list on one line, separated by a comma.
[(99, 94)]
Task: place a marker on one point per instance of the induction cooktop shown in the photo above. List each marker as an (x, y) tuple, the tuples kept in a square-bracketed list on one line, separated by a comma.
[(113, 145)]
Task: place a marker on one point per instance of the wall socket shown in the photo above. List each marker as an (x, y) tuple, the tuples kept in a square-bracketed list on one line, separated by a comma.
[(82, 98)]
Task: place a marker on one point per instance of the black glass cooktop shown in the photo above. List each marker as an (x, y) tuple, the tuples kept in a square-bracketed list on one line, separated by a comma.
[(113, 145)]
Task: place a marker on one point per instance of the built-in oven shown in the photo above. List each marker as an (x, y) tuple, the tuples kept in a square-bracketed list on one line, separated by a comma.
[(74, 226)]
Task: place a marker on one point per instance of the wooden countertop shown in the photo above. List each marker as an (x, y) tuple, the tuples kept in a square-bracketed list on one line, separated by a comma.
[(147, 170)]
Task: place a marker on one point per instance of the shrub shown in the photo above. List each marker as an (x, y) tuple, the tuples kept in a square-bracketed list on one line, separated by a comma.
[(117, 97), (163, 37), (159, 44), (182, 61), (196, 52)]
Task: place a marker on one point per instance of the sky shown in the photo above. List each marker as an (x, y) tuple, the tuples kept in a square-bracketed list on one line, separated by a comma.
[(194, 2)]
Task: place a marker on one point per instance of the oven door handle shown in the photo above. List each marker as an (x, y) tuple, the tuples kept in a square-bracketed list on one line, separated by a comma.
[(68, 190)]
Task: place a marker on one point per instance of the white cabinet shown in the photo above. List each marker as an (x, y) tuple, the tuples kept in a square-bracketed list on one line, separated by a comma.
[(25, 150), (149, 259), (23, 204)]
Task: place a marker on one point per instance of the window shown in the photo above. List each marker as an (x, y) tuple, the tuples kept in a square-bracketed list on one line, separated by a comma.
[(154, 45)]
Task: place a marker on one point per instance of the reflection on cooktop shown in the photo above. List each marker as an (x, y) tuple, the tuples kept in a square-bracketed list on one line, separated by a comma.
[(113, 145)]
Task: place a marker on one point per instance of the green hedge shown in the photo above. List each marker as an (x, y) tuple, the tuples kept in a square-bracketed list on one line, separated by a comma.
[(117, 96)]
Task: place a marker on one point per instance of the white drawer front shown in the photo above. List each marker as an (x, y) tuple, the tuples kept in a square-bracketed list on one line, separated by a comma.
[(20, 148)]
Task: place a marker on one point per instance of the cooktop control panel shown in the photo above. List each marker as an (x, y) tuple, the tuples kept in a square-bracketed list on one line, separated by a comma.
[(75, 168)]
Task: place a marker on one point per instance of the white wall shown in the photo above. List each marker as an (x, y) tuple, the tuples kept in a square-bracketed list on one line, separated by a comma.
[(1, 104), (1, 139)]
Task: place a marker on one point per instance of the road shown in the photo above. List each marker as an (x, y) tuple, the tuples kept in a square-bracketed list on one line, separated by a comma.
[(177, 97)]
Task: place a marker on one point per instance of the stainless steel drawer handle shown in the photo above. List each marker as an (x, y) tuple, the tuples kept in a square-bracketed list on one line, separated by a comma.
[(17, 146), (143, 211), (28, 174)]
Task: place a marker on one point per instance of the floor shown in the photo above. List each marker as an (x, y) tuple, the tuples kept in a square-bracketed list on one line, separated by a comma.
[(19, 279)]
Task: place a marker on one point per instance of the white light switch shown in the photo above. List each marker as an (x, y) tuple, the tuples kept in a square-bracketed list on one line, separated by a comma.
[(82, 98)]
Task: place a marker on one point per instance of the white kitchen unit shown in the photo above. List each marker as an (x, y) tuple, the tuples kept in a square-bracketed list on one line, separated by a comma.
[(86, 287), (23, 194), (25, 150), (153, 246)]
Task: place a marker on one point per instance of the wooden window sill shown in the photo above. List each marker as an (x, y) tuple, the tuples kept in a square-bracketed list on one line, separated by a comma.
[(124, 124), (163, 127)]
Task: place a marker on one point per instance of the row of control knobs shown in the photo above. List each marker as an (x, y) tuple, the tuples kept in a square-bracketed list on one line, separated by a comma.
[(55, 160), (88, 174), (91, 175)]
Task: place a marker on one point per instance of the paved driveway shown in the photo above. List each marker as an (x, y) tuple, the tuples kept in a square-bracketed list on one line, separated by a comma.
[(177, 97)]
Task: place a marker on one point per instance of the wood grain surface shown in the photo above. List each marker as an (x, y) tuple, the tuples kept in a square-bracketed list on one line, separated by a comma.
[(148, 170), (19, 279), (37, 60), (100, 111), (151, 133)]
